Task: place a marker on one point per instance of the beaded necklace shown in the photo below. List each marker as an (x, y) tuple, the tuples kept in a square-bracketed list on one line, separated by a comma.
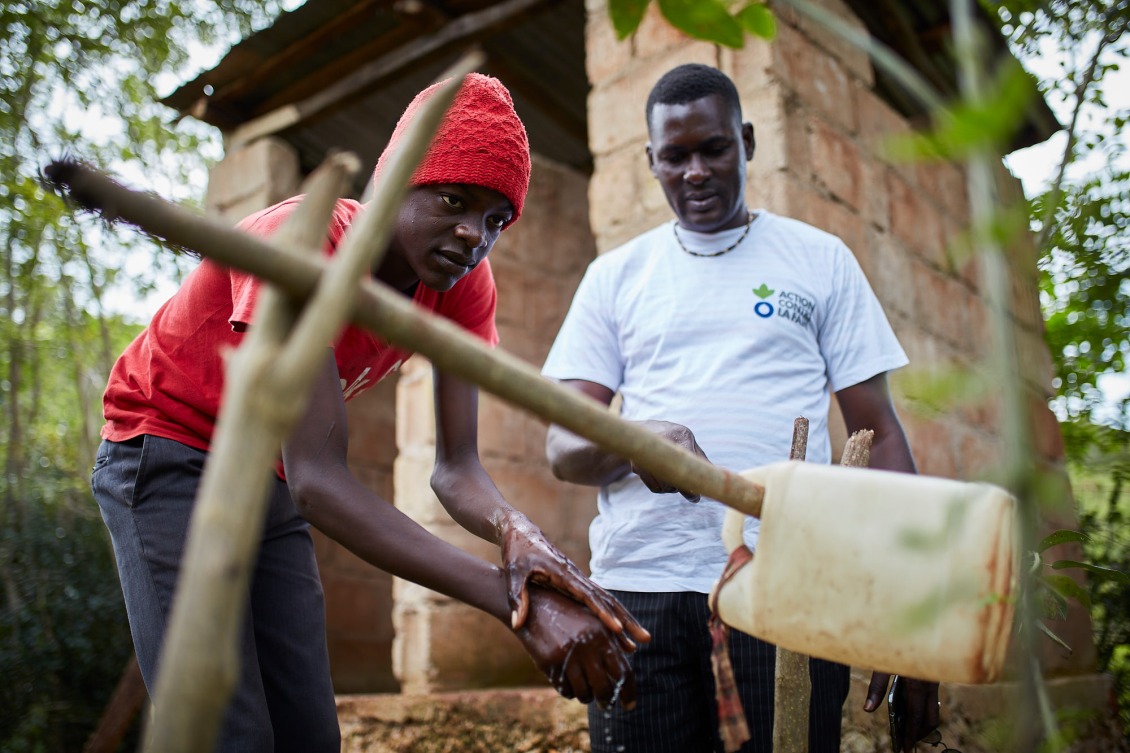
[(728, 249)]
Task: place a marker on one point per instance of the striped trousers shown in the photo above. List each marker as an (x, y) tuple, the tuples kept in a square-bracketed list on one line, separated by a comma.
[(676, 711)]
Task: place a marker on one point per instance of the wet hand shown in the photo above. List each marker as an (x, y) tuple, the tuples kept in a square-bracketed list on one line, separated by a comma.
[(920, 709), (677, 434), (579, 655), (529, 557)]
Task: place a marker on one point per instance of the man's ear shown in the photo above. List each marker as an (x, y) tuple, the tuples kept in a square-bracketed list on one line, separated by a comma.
[(650, 158), (748, 141)]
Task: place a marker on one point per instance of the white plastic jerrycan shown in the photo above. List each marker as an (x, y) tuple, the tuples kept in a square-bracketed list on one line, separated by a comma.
[(884, 571)]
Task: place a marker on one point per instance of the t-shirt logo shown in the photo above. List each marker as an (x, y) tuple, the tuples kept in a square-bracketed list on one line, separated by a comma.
[(358, 384), (789, 305), (763, 308)]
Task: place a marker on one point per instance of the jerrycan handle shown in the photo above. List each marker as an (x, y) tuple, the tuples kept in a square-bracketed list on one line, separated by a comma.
[(732, 527), (774, 475)]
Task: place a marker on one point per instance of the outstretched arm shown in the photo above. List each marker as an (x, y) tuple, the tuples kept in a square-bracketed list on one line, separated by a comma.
[(868, 405), (566, 642), (469, 494), (578, 460)]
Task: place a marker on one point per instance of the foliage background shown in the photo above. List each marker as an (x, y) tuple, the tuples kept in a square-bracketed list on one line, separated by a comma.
[(78, 78), (1080, 218)]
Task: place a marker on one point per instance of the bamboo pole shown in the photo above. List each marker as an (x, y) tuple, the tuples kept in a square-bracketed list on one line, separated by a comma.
[(266, 378), (380, 309)]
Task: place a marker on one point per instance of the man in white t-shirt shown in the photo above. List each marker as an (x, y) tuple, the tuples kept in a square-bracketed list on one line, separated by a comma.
[(718, 329)]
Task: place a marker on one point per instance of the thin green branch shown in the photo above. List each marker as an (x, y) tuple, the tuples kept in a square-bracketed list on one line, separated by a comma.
[(1048, 222), (984, 202)]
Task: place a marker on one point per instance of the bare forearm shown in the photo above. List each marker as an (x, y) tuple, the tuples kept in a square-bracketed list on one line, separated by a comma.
[(891, 452), (578, 460), (378, 533), (868, 405), (469, 495)]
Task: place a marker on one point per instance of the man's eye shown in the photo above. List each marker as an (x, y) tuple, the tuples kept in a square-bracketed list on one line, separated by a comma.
[(452, 201), (497, 221)]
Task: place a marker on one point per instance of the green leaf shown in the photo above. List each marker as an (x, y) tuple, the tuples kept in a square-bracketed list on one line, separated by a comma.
[(941, 388), (1010, 227), (1062, 536), (1054, 604), (968, 127), (924, 540), (626, 15), (758, 20), (925, 613), (704, 19), (1106, 573), (1066, 587), (1044, 629)]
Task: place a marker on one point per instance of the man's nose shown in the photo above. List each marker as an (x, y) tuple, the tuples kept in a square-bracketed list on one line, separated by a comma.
[(472, 231), (696, 170)]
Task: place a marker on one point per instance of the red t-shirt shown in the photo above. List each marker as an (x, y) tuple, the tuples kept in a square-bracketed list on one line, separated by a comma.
[(168, 382)]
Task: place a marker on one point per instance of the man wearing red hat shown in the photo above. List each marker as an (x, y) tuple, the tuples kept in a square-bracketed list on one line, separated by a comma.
[(163, 398)]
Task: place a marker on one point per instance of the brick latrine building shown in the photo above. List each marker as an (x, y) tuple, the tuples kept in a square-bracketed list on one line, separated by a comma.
[(339, 72)]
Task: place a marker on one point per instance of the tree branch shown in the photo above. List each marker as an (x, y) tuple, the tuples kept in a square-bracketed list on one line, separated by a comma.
[(1056, 191)]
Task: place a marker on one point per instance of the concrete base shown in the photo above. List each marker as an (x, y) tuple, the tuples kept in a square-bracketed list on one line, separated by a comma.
[(536, 720)]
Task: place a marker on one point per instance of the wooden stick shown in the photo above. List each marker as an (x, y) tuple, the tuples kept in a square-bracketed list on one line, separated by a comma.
[(128, 697), (385, 311), (857, 451), (792, 682), (792, 685)]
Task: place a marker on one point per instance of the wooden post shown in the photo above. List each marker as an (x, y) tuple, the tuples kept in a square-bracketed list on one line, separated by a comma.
[(792, 682), (857, 451), (128, 697), (792, 686)]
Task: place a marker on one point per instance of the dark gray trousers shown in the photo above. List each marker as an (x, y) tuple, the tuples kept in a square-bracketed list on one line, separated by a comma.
[(676, 711), (284, 700)]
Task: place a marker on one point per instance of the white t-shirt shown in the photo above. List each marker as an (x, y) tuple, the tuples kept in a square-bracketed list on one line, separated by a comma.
[(734, 347)]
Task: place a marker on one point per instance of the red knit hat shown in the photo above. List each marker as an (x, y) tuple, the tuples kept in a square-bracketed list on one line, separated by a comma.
[(481, 142)]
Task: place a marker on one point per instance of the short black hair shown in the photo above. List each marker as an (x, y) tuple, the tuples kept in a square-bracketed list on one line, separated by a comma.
[(691, 82)]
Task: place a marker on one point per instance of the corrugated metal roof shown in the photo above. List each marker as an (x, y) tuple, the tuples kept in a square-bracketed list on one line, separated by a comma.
[(538, 52), (535, 46)]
